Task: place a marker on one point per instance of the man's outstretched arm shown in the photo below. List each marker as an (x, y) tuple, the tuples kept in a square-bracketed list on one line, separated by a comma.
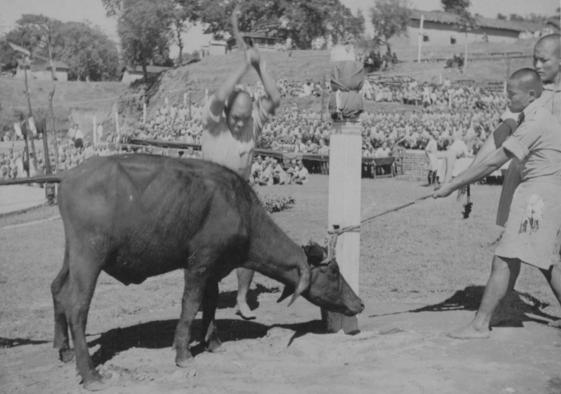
[(490, 163)]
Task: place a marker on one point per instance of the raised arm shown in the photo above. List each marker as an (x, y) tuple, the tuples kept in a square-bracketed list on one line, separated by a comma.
[(227, 88), (272, 101)]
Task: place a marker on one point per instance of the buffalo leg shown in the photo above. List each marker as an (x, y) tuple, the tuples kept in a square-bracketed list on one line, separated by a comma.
[(83, 276), (211, 340), (59, 289), (190, 303)]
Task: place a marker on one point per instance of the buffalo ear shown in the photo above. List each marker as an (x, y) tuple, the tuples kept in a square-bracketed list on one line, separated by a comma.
[(285, 293)]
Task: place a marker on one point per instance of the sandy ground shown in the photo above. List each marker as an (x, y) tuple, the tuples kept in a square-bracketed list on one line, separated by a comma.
[(20, 197), (422, 274)]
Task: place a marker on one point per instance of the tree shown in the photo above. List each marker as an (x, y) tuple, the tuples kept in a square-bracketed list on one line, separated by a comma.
[(455, 6), (144, 27), (181, 13), (88, 52), (389, 18), (515, 17), (501, 16), (185, 12), (300, 20)]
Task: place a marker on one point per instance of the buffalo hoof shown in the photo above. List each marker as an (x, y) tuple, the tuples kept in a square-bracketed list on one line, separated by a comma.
[(95, 382), (66, 355), (183, 359), (214, 345)]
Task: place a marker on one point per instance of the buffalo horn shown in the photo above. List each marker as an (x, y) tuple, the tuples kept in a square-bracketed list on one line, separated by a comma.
[(285, 293), (303, 283)]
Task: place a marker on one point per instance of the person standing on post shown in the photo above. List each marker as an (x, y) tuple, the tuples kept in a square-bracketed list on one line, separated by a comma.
[(232, 124)]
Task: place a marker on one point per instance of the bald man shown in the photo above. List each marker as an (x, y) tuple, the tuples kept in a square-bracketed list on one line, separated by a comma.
[(533, 230), (233, 122), (547, 63)]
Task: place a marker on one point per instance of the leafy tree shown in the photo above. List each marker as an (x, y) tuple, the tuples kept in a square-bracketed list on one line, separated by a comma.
[(185, 12), (88, 52), (301, 20), (501, 16), (144, 27), (34, 32), (179, 14), (455, 6), (389, 18), (515, 17)]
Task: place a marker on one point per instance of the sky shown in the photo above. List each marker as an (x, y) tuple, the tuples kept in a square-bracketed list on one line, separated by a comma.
[(93, 11)]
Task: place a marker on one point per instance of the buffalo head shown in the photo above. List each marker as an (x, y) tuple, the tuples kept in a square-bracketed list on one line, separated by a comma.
[(328, 289)]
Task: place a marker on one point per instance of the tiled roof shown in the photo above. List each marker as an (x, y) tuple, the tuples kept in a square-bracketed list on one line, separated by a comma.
[(450, 18)]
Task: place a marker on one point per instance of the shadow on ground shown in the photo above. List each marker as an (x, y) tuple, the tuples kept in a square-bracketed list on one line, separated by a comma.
[(515, 309), (159, 334), (13, 342)]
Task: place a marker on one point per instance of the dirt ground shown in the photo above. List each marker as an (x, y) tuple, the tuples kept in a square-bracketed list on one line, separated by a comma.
[(422, 274)]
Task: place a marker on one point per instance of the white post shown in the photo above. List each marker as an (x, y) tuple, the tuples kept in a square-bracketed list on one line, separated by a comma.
[(345, 167), (184, 100), (144, 112), (420, 38)]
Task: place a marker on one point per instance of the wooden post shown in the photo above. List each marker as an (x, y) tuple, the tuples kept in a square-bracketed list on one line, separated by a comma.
[(94, 131), (420, 38), (466, 53), (345, 161), (190, 117), (144, 112), (322, 97), (30, 114), (117, 128)]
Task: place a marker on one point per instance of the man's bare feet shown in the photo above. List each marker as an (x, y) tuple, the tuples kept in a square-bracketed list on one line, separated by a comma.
[(555, 323), (244, 311), (470, 332)]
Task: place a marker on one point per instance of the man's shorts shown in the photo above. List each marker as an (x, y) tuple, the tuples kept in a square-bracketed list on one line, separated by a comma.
[(533, 229)]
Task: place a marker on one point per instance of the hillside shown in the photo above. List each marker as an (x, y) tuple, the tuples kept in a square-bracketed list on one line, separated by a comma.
[(89, 96), (84, 100), (487, 64)]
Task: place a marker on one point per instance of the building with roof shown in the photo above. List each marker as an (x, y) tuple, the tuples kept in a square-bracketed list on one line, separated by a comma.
[(442, 28), (42, 71)]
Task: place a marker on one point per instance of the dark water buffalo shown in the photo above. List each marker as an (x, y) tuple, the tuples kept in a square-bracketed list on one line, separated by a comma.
[(136, 216)]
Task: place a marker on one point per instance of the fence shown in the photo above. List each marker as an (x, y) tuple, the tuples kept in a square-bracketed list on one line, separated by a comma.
[(316, 164)]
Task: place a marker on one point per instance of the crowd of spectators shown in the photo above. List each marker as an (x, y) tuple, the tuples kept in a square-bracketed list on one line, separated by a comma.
[(267, 171), (443, 97), (443, 111)]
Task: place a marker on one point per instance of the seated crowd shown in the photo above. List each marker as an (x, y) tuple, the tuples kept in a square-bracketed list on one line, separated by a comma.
[(442, 97), (267, 171), (469, 111)]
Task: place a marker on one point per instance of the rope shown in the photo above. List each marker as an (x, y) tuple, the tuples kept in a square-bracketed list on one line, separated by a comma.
[(356, 228), (336, 231)]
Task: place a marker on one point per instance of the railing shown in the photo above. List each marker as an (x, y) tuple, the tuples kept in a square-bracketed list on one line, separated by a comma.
[(316, 164)]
